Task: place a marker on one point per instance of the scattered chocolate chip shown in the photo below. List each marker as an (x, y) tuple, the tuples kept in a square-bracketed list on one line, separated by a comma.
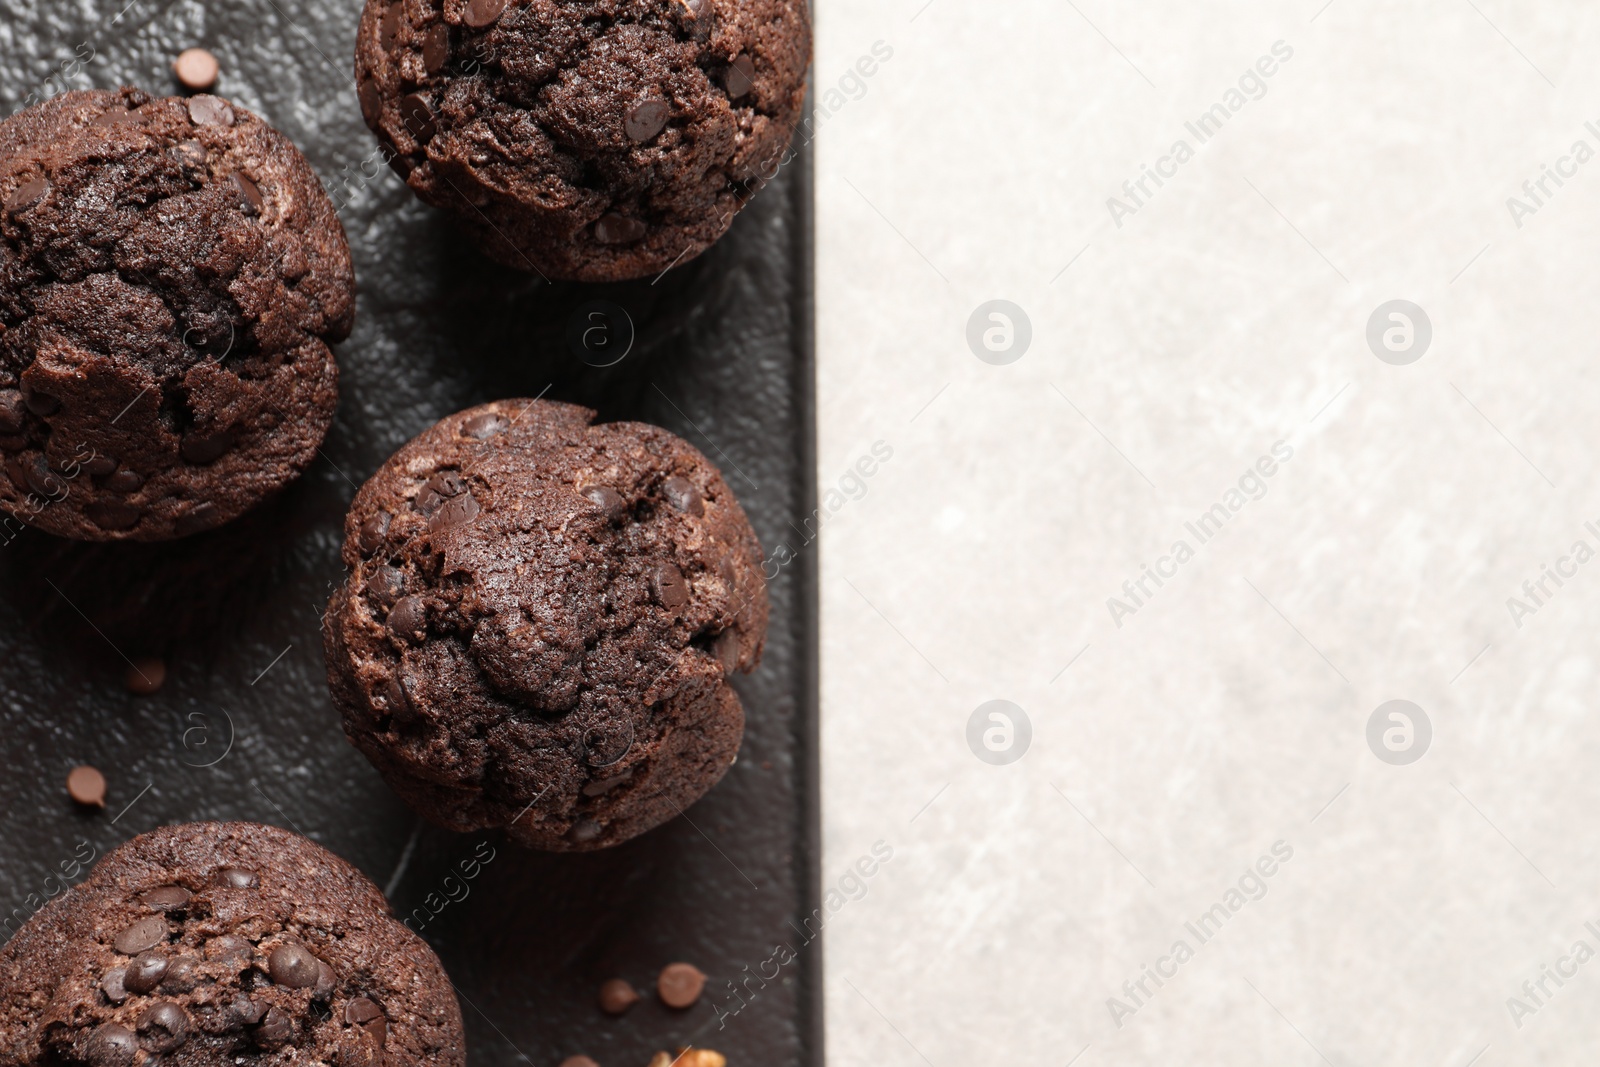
[(87, 786), (418, 117), (11, 411), (614, 229), (146, 676), (484, 426), (41, 404), (253, 202), (371, 100), (125, 481), (237, 878), (389, 26), (608, 500), (326, 981), (142, 936), (27, 195), (201, 448), (41, 479), (276, 1028), (114, 117), (399, 704), (228, 947), (617, 996), (111, 985), (145, 972), (112, 1046), (448, 483), (166, 898), (585, 830), (436, 48), (457, 511), (196, 68), (386, 585), (292, 964), (98, 466), (191, 155), (682, 495), (740, 77), (646, 120), (726, 649), (206, 110), (370, 535), (246, 1010), (367, 1015), (408, 619), (668, 586), (481, 13), (164, 1026), (680, 984), (183, 974), (200, 517), (113, 514), (606, 785)]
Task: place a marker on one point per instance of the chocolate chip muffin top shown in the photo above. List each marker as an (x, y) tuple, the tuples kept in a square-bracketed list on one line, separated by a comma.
[(171, 275), (539, 621), (212, 944), (595, 140)]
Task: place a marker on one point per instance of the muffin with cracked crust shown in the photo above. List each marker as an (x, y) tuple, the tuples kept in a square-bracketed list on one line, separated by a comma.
[(171, 276), (218, 944), (539, 624), (593, 140)]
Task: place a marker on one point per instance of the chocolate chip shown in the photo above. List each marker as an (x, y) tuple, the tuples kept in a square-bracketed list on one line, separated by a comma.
[(237, 878), (145, 676), (145, 972), (125, 481), (418, 117), (246, 1010), (606, 785), (327, 979), (98, 466), (203, 447), (114, 117), (585, 830), (682, 495), (457, 511), (207, 110), (740, 77), (608, 500), (228, 947), (253, 202), (370, 534), (183, 974), (112, 1046), (292, 964), (408, 619), (164, 1026), (371, 100), (668, 586), (191, 155), (484, 426), (679, 985), (41, 404), (481, 13), (386, 585), (726, 649), (448, 483), (361, 1011), (646, 120), (397, 701), (41, 479), (275, 1029), (617, 996), (614, 229), (11, 411), (166, 898), (87, 786), (436, 48), (142, 936), (111, 985), (202, 516), (113, 515), (27, 195), (389, 27)]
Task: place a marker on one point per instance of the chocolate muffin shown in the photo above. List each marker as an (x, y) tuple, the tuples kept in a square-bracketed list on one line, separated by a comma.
[(217, 944), (593, 140), (539, 624), (171, 275)]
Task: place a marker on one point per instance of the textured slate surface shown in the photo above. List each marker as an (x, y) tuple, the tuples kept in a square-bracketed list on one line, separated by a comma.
[(244, 728)]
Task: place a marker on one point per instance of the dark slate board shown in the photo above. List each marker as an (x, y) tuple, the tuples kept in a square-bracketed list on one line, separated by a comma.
[(244, 728)]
